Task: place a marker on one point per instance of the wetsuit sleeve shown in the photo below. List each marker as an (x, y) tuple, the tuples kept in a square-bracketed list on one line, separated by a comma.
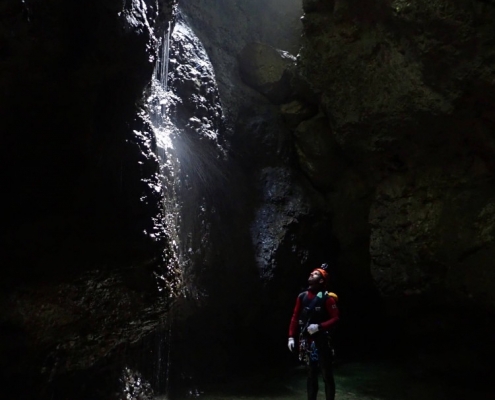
[(294, 322), (333, 312)]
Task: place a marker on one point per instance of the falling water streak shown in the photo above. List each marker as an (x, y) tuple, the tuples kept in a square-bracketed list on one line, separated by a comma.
[(158, 371), (163, 79), (169, 169), (169, 352), (166, 58), (160, 72), (28, 10)]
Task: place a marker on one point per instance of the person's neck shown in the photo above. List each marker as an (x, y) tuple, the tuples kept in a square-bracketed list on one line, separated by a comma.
[(315, 289)]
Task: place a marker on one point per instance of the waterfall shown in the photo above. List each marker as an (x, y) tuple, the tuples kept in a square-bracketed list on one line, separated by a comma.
[(190, 155), (165, 133), (166, 50), (160, 73)]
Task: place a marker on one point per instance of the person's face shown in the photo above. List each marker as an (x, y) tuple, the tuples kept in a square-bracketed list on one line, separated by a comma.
[(315, 278)]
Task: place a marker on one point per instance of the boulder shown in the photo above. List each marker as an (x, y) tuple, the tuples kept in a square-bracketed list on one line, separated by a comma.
[(266, 70)]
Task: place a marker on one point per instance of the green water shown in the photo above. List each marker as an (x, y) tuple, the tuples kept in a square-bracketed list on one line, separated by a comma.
[(354, 381)]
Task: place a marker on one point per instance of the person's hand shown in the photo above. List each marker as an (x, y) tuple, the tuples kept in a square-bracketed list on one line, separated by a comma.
[(313, 328), (290, 345)]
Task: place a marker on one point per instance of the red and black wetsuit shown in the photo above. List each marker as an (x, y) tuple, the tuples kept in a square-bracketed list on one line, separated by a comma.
[(326, 318), (325, 313)]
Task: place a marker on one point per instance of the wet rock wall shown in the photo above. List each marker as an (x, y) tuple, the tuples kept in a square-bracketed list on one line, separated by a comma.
[(273, 202), (80, 246), (387, 138), (407, 90), (378, 160)]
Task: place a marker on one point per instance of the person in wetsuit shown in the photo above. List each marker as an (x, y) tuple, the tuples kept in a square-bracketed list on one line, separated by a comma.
[(315, 316)]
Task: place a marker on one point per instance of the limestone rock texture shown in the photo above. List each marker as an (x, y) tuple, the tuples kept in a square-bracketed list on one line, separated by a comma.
[(252, 47), (281, 217), (407, 92), (367, 143), (226, 26), (80, 250)]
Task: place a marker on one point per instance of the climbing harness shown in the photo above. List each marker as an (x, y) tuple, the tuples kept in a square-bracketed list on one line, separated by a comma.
[(308, 351)]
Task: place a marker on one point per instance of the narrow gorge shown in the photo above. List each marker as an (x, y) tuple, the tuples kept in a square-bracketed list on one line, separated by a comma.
[(175, 169)]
